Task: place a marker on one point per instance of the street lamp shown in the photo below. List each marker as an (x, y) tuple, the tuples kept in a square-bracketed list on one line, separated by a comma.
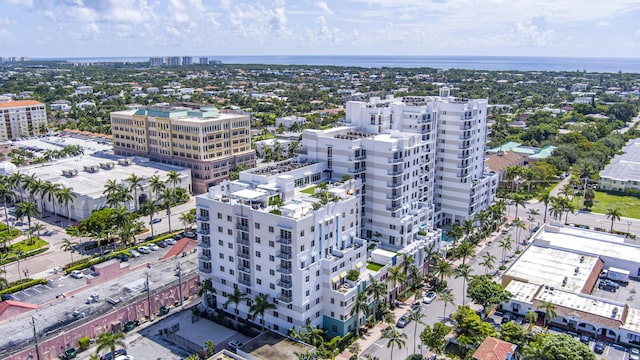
[(179, 270), (148, 295), (35, 336), (628, 228)]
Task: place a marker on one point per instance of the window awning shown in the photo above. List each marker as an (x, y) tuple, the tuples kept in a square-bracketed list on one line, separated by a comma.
[(345, 237), (343, 274), (335, 279), (303, 258), (314, 253), (353, 234), (359, 265)]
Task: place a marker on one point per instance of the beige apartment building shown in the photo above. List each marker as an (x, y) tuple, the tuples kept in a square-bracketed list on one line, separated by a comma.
[(21, 118), (209, 142)]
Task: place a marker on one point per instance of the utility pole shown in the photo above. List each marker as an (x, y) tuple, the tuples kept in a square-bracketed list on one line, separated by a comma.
[(35, 337), (179, 269), (584, 192)]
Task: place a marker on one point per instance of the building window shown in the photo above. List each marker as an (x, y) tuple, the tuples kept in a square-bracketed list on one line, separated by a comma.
[(257, 225), (257, 253), (271, 229), (259, 281), (258, 268)]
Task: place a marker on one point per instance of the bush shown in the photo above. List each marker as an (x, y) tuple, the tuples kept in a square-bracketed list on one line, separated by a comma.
[(22, 284), (414, 357), (83, 343), (26, 255), (353, 275)]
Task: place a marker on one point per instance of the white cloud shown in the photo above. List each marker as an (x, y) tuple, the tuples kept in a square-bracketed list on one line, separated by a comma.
[(91, 28), (27, 3), (324, 7), (5, 34)]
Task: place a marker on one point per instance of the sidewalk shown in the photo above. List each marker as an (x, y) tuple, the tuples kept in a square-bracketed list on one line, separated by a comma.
[(374, 334)]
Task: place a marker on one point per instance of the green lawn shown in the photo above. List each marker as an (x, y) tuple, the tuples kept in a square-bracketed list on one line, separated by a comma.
[(628, 205), (310, 190), (3, 231), (373, 266), (24, 245)]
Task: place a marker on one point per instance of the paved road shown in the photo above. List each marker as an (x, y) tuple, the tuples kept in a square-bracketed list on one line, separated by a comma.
[(42, 265)]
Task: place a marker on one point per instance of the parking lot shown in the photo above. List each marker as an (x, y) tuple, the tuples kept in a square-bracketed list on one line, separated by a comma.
[(625, 294)]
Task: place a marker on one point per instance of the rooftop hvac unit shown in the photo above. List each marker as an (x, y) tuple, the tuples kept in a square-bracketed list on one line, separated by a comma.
[(125, 162)]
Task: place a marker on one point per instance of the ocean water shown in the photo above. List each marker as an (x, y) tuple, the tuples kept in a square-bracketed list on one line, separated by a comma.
[(498, 63)]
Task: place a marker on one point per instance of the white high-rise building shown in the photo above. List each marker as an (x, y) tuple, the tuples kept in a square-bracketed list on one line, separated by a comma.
[(263, 235), (454, 135)]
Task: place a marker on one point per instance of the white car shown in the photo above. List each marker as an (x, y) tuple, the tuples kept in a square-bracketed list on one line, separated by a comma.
[(153, 247), (143, 250), (76, 274), (428, 299), (634, 354)]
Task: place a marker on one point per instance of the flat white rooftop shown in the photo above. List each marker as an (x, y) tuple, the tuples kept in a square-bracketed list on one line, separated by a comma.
[(557, 268), (583, 303), (92, 184), (588, 242), (632, 322), (249, 194), (522, 291)]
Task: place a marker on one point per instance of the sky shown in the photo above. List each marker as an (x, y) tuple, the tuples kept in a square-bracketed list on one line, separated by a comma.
[(118, 28)]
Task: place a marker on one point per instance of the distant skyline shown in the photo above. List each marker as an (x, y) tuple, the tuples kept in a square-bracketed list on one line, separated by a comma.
[(117, 28)]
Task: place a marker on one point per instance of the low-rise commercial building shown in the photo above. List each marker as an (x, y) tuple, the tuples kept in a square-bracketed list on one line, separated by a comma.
[(623, 173)]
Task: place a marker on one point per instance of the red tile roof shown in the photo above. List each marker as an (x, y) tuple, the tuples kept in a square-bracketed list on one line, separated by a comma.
[(494, 349), (183, 245), (19, 103)]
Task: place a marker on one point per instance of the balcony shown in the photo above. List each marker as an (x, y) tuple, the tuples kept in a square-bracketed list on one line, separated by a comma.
[(284, 299), (205, 244), (244, 269), (283, 240), (202, 269), (395, 196), (285, 284), (283, 255), (205, 257), (242, 241), (357, 170), (394, 184), (242, 227), (395, 161), (203, 231), (394, 207), (394, 172), (203, 218), (244, 282), (284, 270), (244, 255)]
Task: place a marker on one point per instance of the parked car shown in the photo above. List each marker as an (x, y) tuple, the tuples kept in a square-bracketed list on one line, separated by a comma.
[(122, 257), (153, 247), (163, 310), (404, 320), (156, 220), (144, 250), (190, 234), (162, 244), (429, 297), (177, 237), (634, 354), (234, 344), (171, 241), (598, 348), (134, 254), (415, 306), (109, 356), (608, 285), (506, 318), (76, 274), (585, 339)]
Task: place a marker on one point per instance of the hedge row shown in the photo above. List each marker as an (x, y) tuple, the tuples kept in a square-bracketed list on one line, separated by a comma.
[(85, 263), (23, 285), (25, 255)]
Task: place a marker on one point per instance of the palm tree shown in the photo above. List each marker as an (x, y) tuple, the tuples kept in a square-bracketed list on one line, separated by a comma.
[(519, 201), (27, 209), (464, 272), (416, 316), (456, 233), (51, 190), (520, 225), (395, 273), (550, 311), (110, 191), (444, 269), (14, 183), (614, 215), (360, 306), (38, 187), (465, 250), (135, 183), (173, 177), (94, 357), (6, 195), (415, 275), (532, 318), (156, 185), (187, 219), (378, 290), (505, 244), (483, 218), (149, 208), (557, 207), (18, 253), (312, 335), (236, 298), (206, 287), (109, 340), (446, 297), (545, 197), (260, 305), (488, 261), (70, 246), (37, 228), (66, 196), (167, 196), (467, 227), (395, 338)]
